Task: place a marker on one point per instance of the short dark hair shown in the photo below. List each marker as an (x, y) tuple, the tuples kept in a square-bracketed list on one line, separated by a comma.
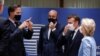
[(75, 17), (16, 6), (12, 8)]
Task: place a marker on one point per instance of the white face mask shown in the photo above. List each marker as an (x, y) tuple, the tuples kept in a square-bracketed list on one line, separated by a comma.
[(71, 27)]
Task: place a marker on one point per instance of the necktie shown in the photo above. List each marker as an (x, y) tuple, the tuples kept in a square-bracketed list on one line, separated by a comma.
[(72, 33), (50, 33), (17, 24)]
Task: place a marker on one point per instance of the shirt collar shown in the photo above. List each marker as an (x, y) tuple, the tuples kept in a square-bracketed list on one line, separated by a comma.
[(76, 29), (12, 20)]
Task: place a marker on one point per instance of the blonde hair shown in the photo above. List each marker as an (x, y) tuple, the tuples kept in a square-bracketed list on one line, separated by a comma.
[(88, 25)]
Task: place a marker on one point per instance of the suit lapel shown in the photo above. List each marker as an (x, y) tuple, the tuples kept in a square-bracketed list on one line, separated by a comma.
[(46, 33), (73, 41), (57, 27), (12, 26), (47, 29)]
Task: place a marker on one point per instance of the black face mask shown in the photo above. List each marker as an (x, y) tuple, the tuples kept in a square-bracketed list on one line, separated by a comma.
[(17, 17), (52, 20)]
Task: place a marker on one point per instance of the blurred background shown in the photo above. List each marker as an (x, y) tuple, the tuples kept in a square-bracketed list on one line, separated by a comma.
[(38, 10), (55, 3)]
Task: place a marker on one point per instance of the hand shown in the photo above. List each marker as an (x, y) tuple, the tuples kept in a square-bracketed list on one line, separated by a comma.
[(29, 24), (52, 25), (23, 25), (66, 29)]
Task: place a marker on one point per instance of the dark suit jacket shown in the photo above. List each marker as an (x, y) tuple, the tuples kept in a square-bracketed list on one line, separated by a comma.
[(3, 42), (12, 39), (2, 20), (47, 47), (71, 48)]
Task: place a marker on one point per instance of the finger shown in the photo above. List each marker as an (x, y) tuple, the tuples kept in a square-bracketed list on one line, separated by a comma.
[(51, 22), (31, 23), (28, 19)]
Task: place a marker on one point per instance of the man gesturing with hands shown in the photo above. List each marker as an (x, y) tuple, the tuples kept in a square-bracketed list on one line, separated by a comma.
[(15, 31)]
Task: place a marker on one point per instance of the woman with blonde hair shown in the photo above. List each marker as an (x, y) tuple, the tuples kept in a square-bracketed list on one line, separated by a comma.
[(88, 44)]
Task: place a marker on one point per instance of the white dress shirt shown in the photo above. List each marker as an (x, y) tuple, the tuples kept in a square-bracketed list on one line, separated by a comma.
[(75, 33), (49, 31)]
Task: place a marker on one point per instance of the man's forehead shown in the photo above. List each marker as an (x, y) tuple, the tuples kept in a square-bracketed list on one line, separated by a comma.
[(18, 9), (71, 19), (53, 12)]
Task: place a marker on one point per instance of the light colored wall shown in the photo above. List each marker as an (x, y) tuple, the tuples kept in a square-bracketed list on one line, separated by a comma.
[(81, 3), (35, 3)]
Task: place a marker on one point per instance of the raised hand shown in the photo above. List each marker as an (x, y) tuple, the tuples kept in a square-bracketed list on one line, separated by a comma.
[(52, 25)]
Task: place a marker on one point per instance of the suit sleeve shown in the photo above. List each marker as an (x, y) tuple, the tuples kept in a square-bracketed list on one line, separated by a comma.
[(60, 41), (1, 25), (17, 32), (63, 38), (86, 48), (12, 35), (40, 43)]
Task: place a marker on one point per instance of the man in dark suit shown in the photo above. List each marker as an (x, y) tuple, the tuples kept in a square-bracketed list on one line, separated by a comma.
[(14, 32), (49, 35), (71, 37)]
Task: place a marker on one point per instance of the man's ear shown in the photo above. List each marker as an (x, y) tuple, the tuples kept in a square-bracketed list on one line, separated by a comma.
[(76, 22)]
